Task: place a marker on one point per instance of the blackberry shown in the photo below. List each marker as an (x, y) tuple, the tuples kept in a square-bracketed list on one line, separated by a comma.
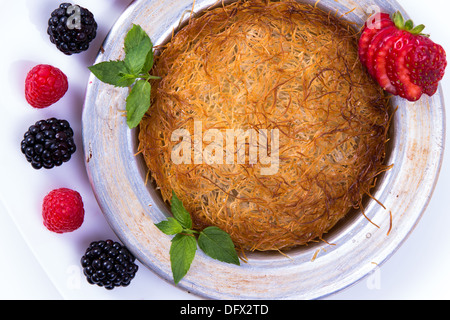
[(108, 264), (70, 29), (48, 143)]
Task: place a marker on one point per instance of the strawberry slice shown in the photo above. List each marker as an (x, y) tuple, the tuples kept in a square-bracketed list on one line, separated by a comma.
[(373, 25), (375, 45), (376, 18), (429, 61), (398, 68), (380, 61)]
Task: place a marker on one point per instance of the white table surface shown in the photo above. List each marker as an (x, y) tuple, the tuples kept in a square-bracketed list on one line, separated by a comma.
[(38, 264)]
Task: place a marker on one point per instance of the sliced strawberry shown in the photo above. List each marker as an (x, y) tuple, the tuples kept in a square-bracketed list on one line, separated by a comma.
[(374, 20), (375, 45), (427, 64), (373, 25), (404, 61), (431, 89), (380, 61), (397, 68)]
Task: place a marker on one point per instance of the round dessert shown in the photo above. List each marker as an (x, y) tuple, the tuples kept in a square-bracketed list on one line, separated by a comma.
[(264, 123)]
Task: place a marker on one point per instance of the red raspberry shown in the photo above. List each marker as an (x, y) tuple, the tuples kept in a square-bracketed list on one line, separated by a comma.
[(63, 210), (45, 85)]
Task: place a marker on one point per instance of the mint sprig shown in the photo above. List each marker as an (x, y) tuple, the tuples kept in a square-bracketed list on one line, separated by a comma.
[(213, 241), (132, 72)]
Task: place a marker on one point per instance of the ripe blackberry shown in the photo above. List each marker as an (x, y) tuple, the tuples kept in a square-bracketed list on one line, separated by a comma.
[(72, 28), (108, 264), (48, 143)]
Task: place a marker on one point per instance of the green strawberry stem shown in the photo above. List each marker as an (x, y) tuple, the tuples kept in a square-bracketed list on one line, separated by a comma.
[(408, 25)]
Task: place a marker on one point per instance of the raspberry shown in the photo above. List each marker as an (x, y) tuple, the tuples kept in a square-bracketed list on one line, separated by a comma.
[(63, 210), (45, 85)]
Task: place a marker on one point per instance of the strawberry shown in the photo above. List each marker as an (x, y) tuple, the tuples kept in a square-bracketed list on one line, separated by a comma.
[(404, 61), (381, 58), (429, 61), (375, 46), (397, 68), (374, 24)]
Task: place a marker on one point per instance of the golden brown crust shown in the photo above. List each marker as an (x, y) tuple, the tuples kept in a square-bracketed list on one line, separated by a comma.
[(268, 65)]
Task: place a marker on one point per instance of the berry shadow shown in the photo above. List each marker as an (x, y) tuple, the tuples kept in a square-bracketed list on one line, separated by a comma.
[(39, 13), (17, 74), (122, 3)]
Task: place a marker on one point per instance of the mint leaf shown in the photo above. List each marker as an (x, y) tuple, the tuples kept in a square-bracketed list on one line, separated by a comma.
[(217, 244), (134, 69), (148, 62), (179, 212), (138, 102), (113, 72), (137, 47), (182, 253), (170, 226)]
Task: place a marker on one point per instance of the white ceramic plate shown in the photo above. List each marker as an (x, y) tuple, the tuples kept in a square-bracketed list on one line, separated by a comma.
[(132, 208)]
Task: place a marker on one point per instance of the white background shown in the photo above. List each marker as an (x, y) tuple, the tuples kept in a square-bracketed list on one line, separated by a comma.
[(38, 264)]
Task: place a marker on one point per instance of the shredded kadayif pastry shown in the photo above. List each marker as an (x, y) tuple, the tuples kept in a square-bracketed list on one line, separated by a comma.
[(283, 67)]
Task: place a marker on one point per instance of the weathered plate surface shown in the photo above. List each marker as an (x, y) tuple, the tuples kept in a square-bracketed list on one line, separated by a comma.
[(132, 208)]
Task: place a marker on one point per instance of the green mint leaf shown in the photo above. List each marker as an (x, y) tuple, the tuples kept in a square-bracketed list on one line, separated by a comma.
[(137, 47), (133, 70), (182, 253), (217, 244), (138, 102), (113, 72), (170, 226), (148, 62), (180, 213)]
